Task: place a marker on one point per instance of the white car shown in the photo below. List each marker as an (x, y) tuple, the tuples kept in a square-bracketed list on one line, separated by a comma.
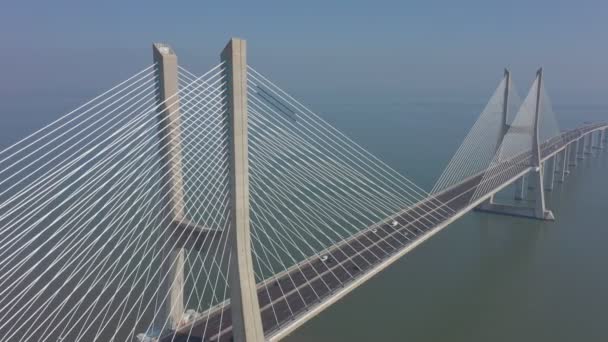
[(394, 223)]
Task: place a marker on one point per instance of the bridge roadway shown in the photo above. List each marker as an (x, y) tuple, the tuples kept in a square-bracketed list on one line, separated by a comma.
[(309, 287)]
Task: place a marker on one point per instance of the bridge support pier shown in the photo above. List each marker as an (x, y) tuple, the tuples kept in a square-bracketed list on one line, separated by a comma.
[(588, 143), (551, 169), (538, 210), (573, 148), (598, 140), (605, 137), (173, 192), (580, 144), (564, 165), (245, 307)]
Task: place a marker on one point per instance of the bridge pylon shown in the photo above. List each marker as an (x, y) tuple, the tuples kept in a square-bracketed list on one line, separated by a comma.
[(246, 319), (504, 117), (169, 133), (535, 176)]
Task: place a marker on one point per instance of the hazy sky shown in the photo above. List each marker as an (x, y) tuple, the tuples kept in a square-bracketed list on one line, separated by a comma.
[(445, 48)]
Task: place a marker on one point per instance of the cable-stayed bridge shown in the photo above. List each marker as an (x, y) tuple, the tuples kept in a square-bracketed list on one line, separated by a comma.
[(216, 207)]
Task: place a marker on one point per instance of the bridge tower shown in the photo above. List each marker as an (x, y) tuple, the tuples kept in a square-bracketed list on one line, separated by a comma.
[(246, 319), (535, 176), (540, 210), (171, 160), (504, 116)]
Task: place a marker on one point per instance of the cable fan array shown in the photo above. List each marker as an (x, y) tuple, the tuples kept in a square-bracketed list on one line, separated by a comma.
[(515, 150), (313, 188), (84, 225), (479, 147)]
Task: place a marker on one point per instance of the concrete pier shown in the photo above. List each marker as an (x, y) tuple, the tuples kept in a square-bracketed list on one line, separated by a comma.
[(588, 144), (563, 169), (573, 150), (580, 144), (520, 188), (504, 116), (245, 308), (597, 145), (171, 160), (551, 168)]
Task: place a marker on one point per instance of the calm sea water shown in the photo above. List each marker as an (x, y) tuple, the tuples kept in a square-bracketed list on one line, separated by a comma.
[(485, 277)]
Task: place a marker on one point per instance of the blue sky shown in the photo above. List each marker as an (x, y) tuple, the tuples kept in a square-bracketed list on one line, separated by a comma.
[(445, 48)]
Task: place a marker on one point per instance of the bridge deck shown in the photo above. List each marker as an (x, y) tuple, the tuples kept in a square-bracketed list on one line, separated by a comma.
[(314, 281)]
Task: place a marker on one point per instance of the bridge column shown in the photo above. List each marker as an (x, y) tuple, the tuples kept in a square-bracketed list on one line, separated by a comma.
[(598, 140), (588, 143), (573, 147), (538, 211), (171, 160), (564, 165), (520, 188), (246, 319), (504, 115), (550, 168), (605, 135), (580, 144)]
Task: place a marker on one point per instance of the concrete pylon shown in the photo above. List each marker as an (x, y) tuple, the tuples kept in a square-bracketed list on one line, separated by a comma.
[(504, 116), (171, 160), (572, 150), (246, 319), (505, 108), (535, 176), (540, 210)]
